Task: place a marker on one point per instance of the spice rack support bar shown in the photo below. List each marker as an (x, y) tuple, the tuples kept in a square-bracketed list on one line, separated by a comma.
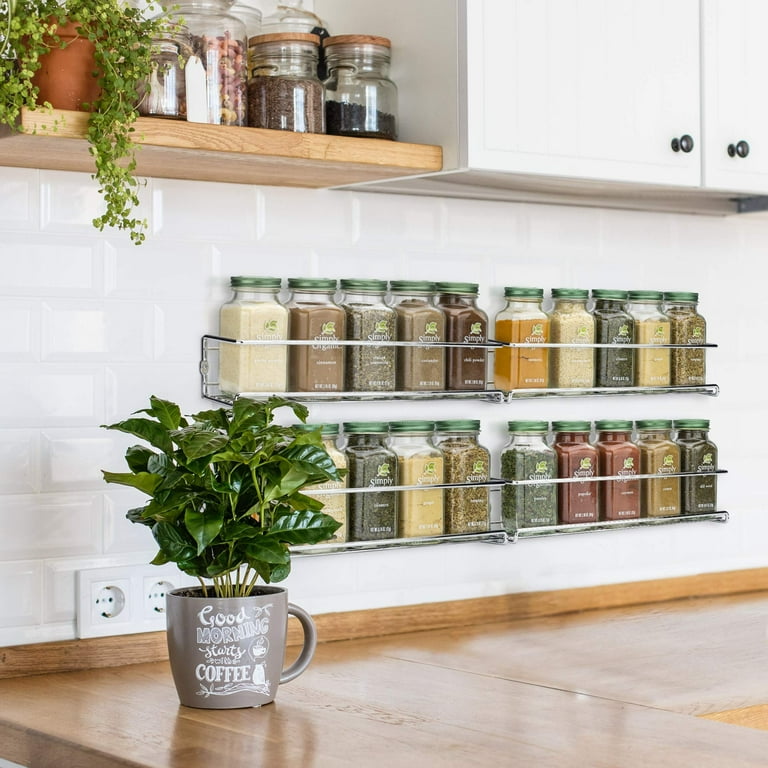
[(177, 149)]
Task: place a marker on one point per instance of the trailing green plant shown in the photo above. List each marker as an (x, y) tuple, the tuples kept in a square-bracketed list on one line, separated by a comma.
[(225, 489), (122, 37)]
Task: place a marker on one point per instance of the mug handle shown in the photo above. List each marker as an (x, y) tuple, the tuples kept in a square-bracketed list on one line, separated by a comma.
[(310, 643)]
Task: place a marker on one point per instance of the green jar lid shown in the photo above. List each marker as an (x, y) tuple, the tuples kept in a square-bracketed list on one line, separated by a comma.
[(326, 430), (691, 423), (681, 296), (599, 293), (411, 426), (458, 425), (541, 427), (569, 293), (412, 286), (366, 427), (468, 288), (513, 292), (312, 283), (377, 286), (645, 295), (654, 424), (242, 281), (613, 425), (571, 426)]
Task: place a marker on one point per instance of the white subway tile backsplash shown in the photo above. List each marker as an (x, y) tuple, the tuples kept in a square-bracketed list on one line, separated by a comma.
[(120, 534), (19, 198), (20, 321), (50, 525), (19, 461), (69, 202), (384, 218), (178, 328), (72, 459), (22, 582)]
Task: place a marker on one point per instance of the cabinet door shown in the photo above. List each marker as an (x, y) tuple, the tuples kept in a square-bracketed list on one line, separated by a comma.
[(584, 88), (735, 76)]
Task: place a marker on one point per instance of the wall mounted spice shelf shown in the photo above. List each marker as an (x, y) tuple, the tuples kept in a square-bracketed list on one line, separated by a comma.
[(176, 149)]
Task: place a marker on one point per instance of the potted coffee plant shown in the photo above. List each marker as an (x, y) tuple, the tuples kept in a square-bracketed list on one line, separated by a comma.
[(119, 39), (225, 504)]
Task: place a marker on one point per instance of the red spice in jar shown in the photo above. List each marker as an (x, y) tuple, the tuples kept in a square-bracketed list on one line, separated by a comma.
[(576, 458)]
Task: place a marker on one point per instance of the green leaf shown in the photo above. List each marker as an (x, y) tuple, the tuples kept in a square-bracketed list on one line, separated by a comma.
[(304, 527), (138, 457), (154, 433), (173, 544), (267, 551), (204, 526), (196, 443), (166, 412), (143, 481)]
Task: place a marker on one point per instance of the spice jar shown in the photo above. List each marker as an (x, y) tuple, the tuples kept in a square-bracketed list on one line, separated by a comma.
[(659, 455), (652, 366), (284, 92), (419, 463), (698, 453), (215, 73), (369, 368), (371, 464), (253, 314), (614, 366), (360, 99), (466, 324), (419, 368), (522, 321), (686, 326), (618, 455), (314, 316), (334, 504), (528, 457), (570, 323), (164, 94), (576, 457), (464, 461)]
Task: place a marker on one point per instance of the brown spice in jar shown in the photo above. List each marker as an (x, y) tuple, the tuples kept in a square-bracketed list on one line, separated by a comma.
[(286, 104), (317, 367)]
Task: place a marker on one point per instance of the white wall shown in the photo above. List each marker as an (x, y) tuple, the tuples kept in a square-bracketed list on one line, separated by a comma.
[(93, 325)]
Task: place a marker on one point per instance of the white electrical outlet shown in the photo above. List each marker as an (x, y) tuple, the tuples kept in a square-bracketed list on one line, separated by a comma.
[(123, 600)]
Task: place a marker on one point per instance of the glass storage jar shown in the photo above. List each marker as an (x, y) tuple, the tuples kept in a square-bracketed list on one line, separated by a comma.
[(466, 324), (360, 99), (527, 456), (467, 510), (254, 313), (686, 326), (165, 94), (697, 454), (652, 366), (618, 455), (659, 455), (570, 323), (369, 368), (419, 463), (371, 464), (313, 315), (215, 73), (334, 504), (614, 366), (522, 321), (419, 368), (576, 458), (284, 92)]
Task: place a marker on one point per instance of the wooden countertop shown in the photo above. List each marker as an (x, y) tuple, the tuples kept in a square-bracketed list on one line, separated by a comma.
[(613, 688)]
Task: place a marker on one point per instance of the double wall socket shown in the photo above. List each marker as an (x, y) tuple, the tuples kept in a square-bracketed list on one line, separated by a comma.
[(124, 600)]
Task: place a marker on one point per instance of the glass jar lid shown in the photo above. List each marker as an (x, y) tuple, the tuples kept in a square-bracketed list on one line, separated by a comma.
[(470, 289), (412, 286), (613, 425), (686, 296), (326, 430), (366, 427), (373, 286), (458, 425), (571, 426), (599, 293), (357, 41), (523, 293), (411, 426), (312, 283), (691, 423), (645, 295), (654, 424), (291, 16), (569, 293), (539, 427), (279, 42), (243, 281)]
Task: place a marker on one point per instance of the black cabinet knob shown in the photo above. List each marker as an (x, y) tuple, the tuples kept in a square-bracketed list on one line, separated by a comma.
[(683, 144), (741, 149)]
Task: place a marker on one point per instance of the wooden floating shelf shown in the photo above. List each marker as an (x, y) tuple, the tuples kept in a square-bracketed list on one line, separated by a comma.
[(176, 149)]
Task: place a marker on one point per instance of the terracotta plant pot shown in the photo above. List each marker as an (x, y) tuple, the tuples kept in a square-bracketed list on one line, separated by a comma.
[(66, 76), (228, 652)]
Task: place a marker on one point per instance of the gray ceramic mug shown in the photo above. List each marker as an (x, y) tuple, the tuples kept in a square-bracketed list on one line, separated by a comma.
[(228, 652)]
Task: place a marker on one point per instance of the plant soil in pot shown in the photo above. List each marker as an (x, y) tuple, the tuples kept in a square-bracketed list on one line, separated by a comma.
[(227, 652)]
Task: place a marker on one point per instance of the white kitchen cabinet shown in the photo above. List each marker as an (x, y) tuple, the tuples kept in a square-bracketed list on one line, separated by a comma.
[(735, 106)]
